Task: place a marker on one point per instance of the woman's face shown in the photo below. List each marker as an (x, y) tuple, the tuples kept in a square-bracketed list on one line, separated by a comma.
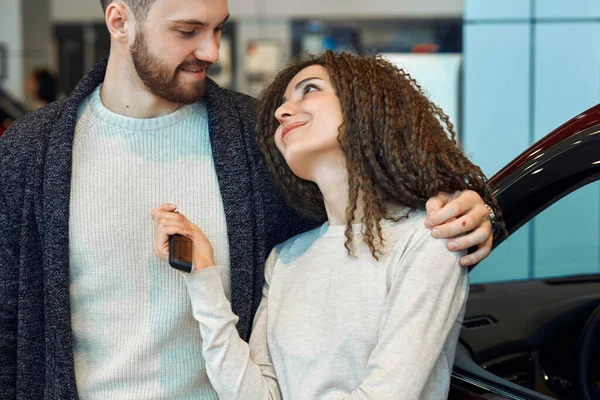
[(310, 116)]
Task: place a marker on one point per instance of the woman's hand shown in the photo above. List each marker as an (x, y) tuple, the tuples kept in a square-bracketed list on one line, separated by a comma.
[(464, 218), (168, 222)]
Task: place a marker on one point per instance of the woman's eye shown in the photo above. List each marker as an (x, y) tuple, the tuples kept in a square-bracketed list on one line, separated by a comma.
[(310, 88)]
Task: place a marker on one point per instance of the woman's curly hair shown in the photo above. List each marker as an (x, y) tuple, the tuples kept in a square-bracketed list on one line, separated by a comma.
[(400, 147)]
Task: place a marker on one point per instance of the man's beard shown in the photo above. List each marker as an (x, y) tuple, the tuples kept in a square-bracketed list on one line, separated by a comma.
[(157, 76)]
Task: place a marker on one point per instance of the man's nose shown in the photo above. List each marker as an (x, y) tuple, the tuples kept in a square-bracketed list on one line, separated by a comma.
[(208, 50)]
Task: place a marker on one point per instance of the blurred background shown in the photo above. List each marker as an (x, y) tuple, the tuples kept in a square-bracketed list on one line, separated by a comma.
[(507, 72)]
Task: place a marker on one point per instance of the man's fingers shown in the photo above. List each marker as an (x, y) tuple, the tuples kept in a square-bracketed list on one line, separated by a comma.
[(453, 209), (464, 218), (465, 204), (437, 202), (475, 238), (474, 219), (482, 252)]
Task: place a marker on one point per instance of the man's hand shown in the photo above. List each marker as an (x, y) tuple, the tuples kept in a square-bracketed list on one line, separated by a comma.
[(463, 218)]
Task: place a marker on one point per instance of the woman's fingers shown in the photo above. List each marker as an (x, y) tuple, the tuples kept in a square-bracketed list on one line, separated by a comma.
[(168, 222), (164, 207), (161, 239)]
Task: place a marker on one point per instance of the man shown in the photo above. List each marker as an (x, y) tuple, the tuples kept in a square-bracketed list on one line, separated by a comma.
[(86, 310)]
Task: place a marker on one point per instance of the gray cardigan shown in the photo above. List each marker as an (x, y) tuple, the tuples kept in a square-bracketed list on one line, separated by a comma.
[(36, 354)]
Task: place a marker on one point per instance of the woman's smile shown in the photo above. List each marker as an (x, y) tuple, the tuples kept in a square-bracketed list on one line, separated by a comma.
[(287, 129)]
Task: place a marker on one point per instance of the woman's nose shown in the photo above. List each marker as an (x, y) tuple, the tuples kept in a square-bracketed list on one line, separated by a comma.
[(285, 111)]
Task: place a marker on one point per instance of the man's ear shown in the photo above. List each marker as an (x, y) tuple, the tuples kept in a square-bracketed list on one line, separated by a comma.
[(119, 21)]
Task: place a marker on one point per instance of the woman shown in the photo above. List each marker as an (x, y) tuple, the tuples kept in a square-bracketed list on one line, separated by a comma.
[(369, 305)]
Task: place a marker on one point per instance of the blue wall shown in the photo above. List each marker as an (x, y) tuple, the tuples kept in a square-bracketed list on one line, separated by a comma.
[(529, 66)]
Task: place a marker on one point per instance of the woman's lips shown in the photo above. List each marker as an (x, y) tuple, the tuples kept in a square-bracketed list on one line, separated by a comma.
[(291, 127)]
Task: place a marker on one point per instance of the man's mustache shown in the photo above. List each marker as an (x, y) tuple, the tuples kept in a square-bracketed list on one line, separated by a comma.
[(195, 64)]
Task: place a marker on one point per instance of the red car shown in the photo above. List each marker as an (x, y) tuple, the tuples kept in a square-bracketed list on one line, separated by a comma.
[(537, 338)]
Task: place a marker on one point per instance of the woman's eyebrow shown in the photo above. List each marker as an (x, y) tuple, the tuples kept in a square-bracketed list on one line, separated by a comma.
[(302, 82)]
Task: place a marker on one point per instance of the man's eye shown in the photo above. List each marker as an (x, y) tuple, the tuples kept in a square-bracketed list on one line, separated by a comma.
[(187, 33), (220, 29)]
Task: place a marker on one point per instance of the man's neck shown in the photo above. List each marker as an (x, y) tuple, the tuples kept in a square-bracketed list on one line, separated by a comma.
[(123, 93)]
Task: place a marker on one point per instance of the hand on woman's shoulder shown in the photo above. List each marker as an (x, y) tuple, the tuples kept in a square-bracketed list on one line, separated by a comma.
[(419, 255)]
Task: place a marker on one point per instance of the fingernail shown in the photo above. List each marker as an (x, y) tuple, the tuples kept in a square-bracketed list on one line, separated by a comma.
[(465, 261), (435, 233), (428, 223), (452, 245)]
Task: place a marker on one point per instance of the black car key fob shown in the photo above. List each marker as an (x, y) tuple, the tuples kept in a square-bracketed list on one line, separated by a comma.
[(180, 253)]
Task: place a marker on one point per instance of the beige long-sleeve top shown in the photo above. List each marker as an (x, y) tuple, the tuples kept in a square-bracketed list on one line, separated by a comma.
[(331, 326)]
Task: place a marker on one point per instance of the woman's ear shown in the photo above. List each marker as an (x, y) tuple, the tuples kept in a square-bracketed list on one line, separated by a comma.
[(118, 21)]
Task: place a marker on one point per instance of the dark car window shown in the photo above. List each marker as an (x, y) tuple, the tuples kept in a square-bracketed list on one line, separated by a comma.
[(562, 240)]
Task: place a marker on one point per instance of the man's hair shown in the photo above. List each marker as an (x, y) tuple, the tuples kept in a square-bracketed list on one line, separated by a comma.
[(400, 147), (139, 8)]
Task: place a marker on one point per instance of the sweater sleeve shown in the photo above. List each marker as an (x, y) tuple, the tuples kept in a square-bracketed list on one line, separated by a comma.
[(9, 276), (236, 369), (426, 301), (8, 303)]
